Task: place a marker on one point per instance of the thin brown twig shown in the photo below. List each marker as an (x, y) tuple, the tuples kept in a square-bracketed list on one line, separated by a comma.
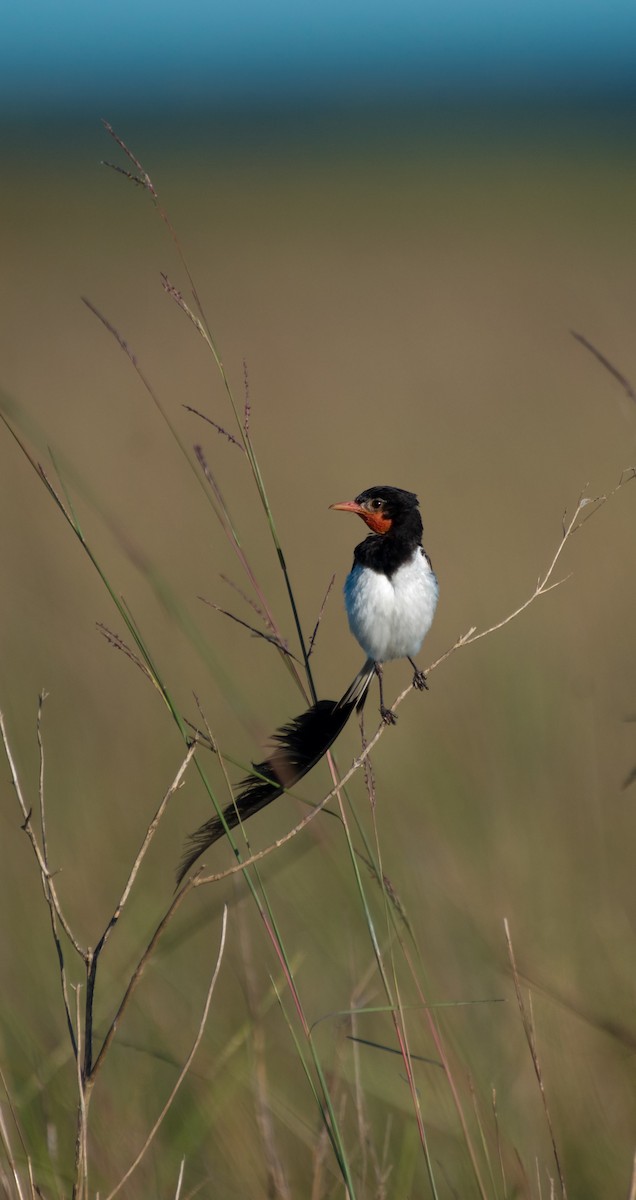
[(180, 1178), (360, 1105), (80, 1186), (528, 1028), (249, 600), (127, 174), (247, 406), (538, 1174), (4, 1134), (141, 854), (228, 528), (207, 738), (47, 877), (121, 341), (117, 642), (36, 1194), (230, 790), (312, 639), (41, 698), (215, 425), (272, 638), (605, 362), (259, 854), (369, 774), (174, 293), (480, 1126), (143, 849), (339, 1092), (185, 1068), (629, 779), (138, 972), (202, 327), (495, 1115), (545, 583), (46, 880), (63, 979), (5, 1181), (144, 177)]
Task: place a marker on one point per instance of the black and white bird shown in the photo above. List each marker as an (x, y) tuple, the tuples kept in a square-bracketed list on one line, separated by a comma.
[(391, 596), (391, 590)]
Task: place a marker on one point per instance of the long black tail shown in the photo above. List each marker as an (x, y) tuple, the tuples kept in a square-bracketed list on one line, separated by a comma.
[(298, 746)]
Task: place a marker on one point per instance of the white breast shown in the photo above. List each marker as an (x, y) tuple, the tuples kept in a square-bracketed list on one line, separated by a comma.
[(391, 617)]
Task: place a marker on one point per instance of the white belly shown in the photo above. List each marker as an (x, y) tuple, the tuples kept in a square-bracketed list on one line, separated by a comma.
[(391, 617)]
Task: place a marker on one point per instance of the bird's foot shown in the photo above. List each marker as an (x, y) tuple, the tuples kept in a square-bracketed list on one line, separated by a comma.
[(387, 714), (419, 678)]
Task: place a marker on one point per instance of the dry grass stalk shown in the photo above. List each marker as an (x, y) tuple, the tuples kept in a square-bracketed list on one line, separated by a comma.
[(185, 1068), (528, 1028)]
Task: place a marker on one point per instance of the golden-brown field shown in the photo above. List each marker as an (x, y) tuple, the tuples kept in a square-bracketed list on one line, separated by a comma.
[(405, 318)]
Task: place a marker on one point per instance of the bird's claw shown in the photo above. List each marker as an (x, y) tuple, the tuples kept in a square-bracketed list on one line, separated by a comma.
[(419, 681), (388, 716)]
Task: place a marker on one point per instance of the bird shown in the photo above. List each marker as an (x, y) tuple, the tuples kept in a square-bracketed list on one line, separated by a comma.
[(391, 590), (391, 594)]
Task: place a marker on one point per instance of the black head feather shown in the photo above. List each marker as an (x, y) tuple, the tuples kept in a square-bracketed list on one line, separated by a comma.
[(388, 548), (396, 501)]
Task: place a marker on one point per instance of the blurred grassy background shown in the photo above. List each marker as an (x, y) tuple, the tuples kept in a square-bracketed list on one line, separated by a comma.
[(402, 295)]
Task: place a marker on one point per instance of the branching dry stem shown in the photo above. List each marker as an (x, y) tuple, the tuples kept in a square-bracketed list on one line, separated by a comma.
[(93, 956), (137, 974), (82, 1038)]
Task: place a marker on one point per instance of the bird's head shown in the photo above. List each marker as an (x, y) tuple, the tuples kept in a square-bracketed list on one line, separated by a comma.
[(381, 508)]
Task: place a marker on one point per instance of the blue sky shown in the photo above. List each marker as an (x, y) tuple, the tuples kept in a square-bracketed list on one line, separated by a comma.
[(67, 51)]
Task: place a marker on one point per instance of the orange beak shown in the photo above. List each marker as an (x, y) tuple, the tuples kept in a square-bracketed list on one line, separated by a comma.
[(352, 507), (376, 521)]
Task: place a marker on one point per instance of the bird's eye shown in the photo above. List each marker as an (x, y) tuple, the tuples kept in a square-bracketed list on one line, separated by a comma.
[(377, 503)]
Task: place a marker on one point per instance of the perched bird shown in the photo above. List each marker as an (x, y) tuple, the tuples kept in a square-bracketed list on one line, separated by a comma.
[(391, 591), (390, 595)]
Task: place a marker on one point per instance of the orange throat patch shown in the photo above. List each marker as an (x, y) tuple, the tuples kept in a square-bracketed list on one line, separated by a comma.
[(377, 522)]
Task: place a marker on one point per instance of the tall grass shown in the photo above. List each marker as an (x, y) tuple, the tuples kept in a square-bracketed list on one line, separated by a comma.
[(332, 1116)]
